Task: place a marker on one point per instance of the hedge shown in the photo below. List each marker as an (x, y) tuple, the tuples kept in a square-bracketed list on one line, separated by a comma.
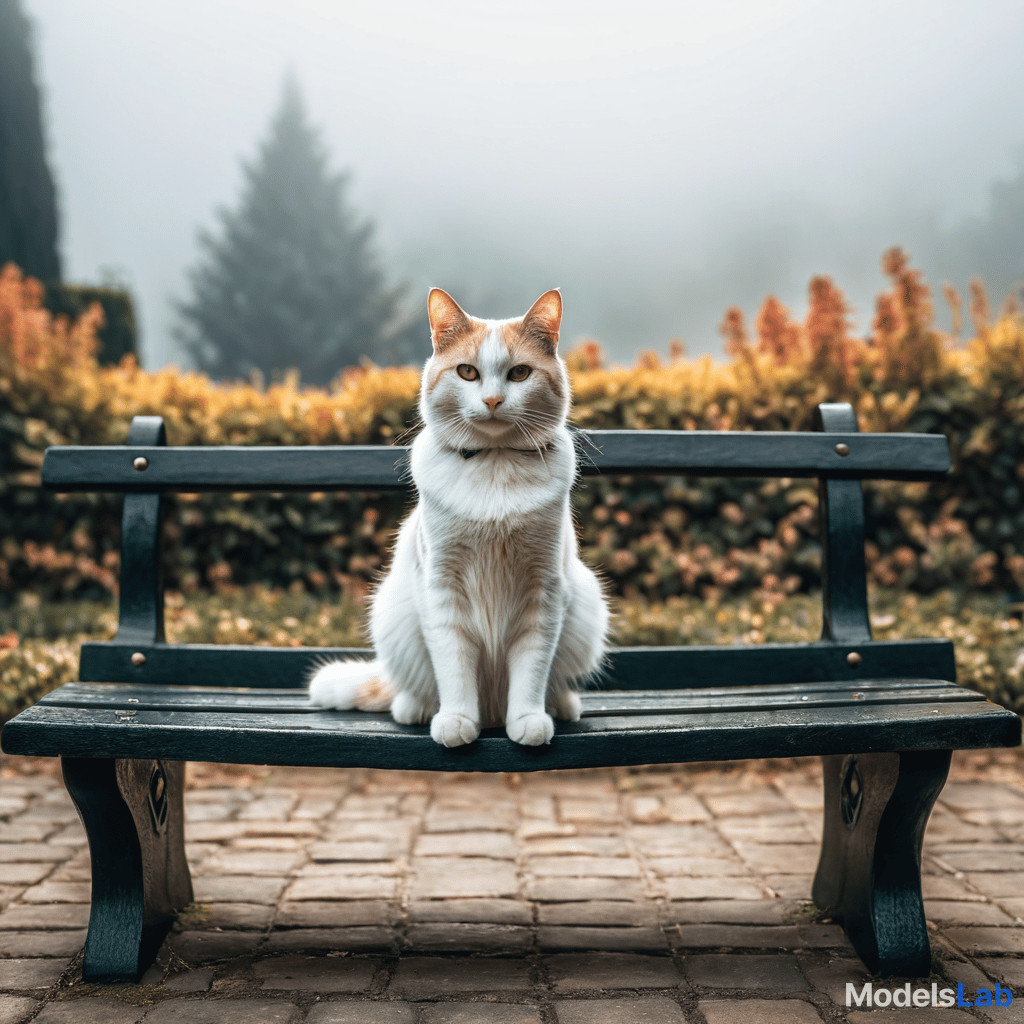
[(653, 538)]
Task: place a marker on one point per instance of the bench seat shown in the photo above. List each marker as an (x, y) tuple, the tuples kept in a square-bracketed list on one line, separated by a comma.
[(281, 727)]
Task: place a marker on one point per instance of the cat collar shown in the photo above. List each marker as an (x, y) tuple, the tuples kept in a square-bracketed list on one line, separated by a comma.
[(469, 453)]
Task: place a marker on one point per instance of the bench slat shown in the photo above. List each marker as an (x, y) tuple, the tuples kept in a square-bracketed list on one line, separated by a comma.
[(359, 467), (125, 696), (112, 697), (629, 668), (356, 739)]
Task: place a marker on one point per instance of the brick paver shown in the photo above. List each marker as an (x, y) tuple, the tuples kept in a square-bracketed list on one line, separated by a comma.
[(38, 972), (425, 977), (316, 974), (598, 913), (653, 896), (759, 1011), (652, 1010), (562, 890), (469, 936), (831, 976), (198, 980), (704, 936), (16, 1008), (37, 943), (579, 972), (987, 939), (480, 1013), (361, 1011), (565, 937), (471, 911), (225, 888), (224, 1011), (776, 972), (354, 939), (1009, 970), (94, 1010)]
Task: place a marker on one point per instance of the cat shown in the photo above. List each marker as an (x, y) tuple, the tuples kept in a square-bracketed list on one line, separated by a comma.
[(487, 616)]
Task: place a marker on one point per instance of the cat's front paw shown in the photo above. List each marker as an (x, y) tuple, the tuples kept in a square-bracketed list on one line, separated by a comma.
[(531, 730), (453, 730)]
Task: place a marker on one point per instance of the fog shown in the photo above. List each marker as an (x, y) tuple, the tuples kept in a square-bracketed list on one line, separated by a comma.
[(657, 161)]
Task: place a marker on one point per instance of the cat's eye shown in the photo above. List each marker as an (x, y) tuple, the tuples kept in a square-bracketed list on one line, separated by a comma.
[(467, 372), (520, 372)]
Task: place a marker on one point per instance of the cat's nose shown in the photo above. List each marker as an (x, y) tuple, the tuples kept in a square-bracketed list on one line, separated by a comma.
[(493, 403)]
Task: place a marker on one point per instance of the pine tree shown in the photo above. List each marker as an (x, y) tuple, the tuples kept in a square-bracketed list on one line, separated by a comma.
[(292, 280), (28, 209)]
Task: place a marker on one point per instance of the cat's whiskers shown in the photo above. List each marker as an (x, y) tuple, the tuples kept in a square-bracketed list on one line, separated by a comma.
[(530, 418), (458, 434), (532, 441)]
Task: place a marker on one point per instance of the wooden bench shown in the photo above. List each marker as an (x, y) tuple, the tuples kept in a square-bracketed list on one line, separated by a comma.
[(884, 715)]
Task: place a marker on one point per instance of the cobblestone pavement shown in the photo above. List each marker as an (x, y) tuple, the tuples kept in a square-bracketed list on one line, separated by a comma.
[(655, 896)]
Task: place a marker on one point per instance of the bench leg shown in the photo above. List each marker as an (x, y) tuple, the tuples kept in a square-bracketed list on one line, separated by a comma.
[(134, 817), (869, 874)]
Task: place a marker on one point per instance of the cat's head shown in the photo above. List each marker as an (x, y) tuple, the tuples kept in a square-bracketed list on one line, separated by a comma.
[(494, 383)]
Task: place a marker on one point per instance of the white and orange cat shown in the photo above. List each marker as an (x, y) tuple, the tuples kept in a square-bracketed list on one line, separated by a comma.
[(487, 616)]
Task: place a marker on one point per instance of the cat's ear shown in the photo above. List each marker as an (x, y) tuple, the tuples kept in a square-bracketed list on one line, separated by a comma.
[(447, 320), (544, 320)]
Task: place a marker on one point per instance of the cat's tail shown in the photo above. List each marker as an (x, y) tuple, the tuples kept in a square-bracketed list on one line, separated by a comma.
[(346, 685)]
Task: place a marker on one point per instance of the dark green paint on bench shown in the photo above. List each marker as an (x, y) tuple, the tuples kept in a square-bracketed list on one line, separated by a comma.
[(628, 668), (348, 739), (690, 453)]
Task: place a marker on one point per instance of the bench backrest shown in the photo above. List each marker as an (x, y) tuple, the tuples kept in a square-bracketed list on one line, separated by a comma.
[(838, 455)]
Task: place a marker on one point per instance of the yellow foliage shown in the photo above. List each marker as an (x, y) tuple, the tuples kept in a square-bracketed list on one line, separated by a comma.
[(48, 369)]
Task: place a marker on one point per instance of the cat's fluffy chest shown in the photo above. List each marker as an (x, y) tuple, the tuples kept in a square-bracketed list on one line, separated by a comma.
[(496, 486), (493, 531), (491, 575)]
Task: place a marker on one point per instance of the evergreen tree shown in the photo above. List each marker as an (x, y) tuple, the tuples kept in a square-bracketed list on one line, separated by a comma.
[(292, 280), (28, 209)]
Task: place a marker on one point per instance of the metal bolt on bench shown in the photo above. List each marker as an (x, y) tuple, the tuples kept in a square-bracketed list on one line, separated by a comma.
[(883, 715)]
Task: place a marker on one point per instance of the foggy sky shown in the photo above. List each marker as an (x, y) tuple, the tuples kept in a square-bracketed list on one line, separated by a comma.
[(657, 161)]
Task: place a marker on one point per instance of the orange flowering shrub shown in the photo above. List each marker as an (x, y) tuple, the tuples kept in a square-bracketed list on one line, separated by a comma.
[(652, 537)]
